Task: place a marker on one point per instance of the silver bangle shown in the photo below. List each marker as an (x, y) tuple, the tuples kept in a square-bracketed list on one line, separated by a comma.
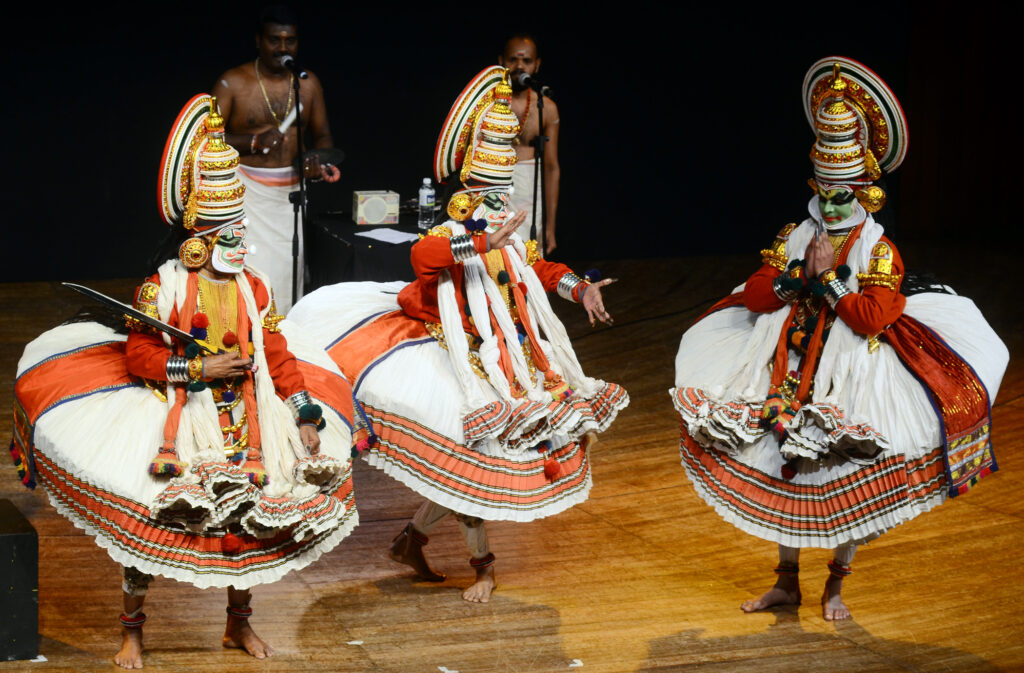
[(781, 292), (835, 290), (297, 401), (177, 369), (567, 284), (462, 247)]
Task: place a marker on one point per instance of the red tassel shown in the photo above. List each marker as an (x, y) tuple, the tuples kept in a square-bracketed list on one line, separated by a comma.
[(522, 288), (552, 469), (229, 339), (788, 471), (231, 543), (200, 320)]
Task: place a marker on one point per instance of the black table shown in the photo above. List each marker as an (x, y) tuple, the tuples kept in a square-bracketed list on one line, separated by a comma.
[(334, 254)]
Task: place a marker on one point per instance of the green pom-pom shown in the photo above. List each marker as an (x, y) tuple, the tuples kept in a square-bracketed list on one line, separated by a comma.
[(197, 386), (812, 323), (503, 277), (843, 271), (794, 264), (792, 284), (310, 412), (191, 351), (817, 288), (321, 425)]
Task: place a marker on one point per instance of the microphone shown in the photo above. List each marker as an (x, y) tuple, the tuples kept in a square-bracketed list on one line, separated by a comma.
[(288, 61), (527, 81)]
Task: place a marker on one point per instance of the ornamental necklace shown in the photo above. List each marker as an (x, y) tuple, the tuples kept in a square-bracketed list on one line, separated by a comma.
[(526, 116), (291, 92)]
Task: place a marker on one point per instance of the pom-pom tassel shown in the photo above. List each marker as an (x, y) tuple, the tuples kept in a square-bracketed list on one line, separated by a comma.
[(166, 464), (552, 469), (230, 543), (254, 469)]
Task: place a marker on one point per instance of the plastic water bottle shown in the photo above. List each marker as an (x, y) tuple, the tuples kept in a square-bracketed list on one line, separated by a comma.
[(426, 219)]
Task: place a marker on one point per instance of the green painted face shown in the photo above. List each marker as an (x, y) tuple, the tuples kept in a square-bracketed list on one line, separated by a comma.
[(229, 250), (493, 209), (835, 205)]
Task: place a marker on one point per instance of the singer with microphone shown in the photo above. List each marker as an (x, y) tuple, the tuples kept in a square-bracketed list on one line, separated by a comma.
[(529, 194), (257, 99)]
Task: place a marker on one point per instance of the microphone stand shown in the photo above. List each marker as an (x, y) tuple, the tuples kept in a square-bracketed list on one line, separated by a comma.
[(538, 174), (298, 198)]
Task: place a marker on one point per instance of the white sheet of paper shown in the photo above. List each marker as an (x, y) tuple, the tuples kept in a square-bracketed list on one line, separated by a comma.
[(388, 235)]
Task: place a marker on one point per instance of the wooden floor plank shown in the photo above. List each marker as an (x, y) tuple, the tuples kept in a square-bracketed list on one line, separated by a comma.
[(641, 577)]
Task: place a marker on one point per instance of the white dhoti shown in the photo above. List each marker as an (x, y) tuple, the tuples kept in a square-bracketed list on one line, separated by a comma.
[(522, 197), (271, 226)]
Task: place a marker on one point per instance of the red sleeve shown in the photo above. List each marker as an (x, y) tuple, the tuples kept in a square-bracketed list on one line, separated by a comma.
[(550, 273), (758, 294), (432, 254), (284, 369), (147, 355), (879, 302)]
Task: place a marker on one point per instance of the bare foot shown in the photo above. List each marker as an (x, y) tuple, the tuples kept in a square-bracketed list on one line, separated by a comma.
[(785, 592), (833, 609), (238, 634), (480, 591), (130, 654), (406, 549)]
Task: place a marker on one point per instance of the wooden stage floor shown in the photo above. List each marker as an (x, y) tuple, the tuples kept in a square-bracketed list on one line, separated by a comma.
[(641, 577)]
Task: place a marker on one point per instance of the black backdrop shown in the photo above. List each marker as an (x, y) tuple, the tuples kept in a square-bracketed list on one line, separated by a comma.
[(682, 130)]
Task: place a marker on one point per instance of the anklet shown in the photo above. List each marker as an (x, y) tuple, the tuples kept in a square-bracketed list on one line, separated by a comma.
[(838, 569), (785, 569), (133, 622), (240, 613), (482, 562)]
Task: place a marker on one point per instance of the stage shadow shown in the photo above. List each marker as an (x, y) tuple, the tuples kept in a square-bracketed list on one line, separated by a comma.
[(787, 647), (401, 625)]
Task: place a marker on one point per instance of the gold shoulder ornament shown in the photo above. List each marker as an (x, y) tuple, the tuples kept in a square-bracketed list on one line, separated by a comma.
[(145, 302), (440, 231), (776, 255), (273, 319), (880, 271), (532, 253)]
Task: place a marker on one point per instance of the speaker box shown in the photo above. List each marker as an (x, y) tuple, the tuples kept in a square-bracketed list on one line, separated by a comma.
[(378, 206), (19, 589)]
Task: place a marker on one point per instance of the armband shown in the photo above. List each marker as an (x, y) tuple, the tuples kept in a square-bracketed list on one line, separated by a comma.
[(835, 290), (783, 289), (569, 287), (305, 412), (177, 369), (462, 247)]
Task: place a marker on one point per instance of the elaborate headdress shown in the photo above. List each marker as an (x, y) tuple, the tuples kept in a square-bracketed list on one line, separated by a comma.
[(475, 143), (860, 127), (198, 186)]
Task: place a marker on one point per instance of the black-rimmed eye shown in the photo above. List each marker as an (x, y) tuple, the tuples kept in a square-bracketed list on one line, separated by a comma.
[(842, 198)]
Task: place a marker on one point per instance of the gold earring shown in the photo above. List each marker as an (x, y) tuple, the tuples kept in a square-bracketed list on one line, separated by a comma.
[(193, 253), (872, 198), (460, 207)]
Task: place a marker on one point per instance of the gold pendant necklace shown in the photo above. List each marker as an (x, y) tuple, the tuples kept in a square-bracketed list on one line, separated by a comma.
[(291, 92)]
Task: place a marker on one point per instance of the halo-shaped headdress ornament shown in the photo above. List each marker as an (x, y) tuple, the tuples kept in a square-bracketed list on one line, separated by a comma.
[(197, 184), (860, 126), (476, 139)]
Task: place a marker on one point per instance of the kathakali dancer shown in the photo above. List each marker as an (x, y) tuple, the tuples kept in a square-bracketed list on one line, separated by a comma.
[(466, 375), (825, 402), (221, 470)]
